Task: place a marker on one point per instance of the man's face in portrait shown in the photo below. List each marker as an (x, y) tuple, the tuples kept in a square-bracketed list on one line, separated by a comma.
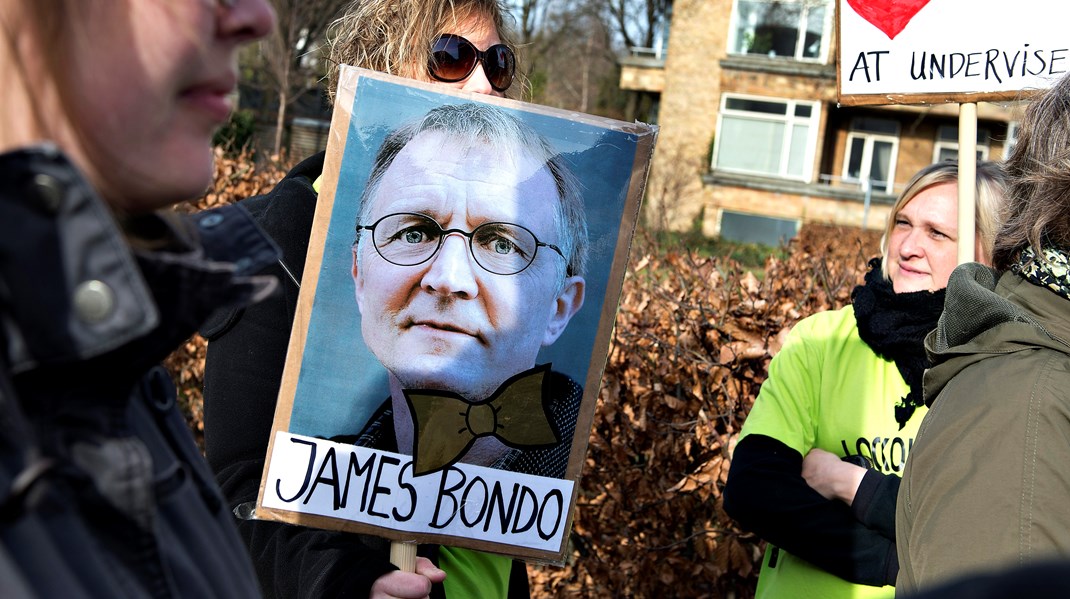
[(449, 323)]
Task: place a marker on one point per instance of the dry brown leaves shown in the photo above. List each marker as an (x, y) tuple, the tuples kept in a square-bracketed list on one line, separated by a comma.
[(237, 178), (692, 342)]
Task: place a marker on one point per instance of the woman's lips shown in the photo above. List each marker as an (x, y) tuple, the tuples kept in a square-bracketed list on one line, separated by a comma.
[(911, 271), (213, 100)]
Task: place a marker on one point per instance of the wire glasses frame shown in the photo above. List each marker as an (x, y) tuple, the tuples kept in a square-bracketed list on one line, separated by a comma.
[(409, 239), (454, 58)]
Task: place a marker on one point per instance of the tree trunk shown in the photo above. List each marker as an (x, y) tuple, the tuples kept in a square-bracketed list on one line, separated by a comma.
[(280, 121)]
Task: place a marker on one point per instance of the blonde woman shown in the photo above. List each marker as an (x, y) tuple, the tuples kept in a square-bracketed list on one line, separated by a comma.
[(817, 467)]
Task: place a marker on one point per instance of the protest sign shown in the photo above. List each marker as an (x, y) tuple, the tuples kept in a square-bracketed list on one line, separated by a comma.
[(963, 51), (930, 51), (460, 289)]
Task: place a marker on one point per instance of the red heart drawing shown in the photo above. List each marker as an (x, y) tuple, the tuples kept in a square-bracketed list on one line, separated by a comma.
[(890, 16)]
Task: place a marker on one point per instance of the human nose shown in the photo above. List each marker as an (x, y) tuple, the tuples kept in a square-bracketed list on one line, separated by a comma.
[(245, 20), (912, 245), (477, 82), (452, 272)]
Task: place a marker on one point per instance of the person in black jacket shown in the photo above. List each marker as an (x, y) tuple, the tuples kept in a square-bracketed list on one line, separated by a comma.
[(108, 113), (247, 348)]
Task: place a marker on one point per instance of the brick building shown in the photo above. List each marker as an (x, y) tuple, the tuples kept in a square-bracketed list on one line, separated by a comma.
[(752, 142)]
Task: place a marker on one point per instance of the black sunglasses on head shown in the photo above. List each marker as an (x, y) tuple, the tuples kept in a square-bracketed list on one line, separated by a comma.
[(453, 59)]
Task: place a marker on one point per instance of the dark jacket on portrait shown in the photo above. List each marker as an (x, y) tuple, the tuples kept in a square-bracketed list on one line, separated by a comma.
[(986, 486), (246, 355), (103, 492)]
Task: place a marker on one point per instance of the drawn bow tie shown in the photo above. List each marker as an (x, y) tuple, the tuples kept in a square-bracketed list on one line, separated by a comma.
[(445, 425)]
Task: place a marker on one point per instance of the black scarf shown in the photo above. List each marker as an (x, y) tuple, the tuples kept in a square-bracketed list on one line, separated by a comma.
[(894, 326)]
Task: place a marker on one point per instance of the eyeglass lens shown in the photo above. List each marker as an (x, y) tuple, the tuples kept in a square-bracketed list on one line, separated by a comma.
[(454, 58), (411, 239)]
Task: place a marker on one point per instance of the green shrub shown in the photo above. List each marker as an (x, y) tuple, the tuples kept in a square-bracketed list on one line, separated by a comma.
[(236, 134)]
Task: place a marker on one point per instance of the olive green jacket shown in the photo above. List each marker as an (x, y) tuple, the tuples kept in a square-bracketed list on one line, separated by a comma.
[(987, 484)]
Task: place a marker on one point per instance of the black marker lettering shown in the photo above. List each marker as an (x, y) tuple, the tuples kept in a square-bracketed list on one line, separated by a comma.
[(412, 495), (525, 492), (990, 64), (465, 502), (1055, 58), (329, 460), (447, 492), (546, 536), (308, 473)]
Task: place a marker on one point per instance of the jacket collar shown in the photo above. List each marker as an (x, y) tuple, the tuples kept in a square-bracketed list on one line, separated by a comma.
[(987, 313), (72, 288)]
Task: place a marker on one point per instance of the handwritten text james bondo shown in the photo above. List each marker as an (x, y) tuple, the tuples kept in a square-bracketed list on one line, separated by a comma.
[(315, 476)]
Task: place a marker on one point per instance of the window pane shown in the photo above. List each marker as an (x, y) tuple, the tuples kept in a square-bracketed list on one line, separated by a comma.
[(797, 152), (750, 145), (750, 228), (947, 153), (872, 125), (765, 27), (880, 166), (854, 157), (756, 106), (815, 25), (948, 133), (748, 17), (803, 110)]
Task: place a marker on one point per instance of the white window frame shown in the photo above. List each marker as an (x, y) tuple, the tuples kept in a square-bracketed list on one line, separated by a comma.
[(789, 119), (826, 29), (867, 155), (942, 144)]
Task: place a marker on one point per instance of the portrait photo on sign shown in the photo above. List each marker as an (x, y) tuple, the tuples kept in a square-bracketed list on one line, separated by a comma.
[(462, 280)]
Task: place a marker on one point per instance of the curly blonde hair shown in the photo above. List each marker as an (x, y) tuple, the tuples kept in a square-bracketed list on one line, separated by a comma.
[(395, 36)]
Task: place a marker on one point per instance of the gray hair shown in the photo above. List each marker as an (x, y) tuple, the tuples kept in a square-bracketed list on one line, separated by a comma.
[(473, 124), (1038, 203)]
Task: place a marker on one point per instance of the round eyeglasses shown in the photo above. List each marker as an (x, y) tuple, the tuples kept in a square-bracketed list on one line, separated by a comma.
[(408, 239)]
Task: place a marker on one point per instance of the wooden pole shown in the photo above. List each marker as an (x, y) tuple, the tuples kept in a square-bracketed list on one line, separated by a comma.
[(967, 180), (403, 555)]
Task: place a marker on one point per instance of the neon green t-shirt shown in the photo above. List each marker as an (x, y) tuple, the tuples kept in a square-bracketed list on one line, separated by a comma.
[(826, 388), (474, 573)]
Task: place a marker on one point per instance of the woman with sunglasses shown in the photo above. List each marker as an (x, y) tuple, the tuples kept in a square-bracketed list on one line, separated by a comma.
[(462, 44)]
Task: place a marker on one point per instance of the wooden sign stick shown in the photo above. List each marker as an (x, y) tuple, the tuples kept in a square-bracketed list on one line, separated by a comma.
[(403, 555), (967, 179)]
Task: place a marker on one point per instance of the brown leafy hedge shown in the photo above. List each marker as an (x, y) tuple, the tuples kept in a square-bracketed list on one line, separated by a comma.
[(692, 342)]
